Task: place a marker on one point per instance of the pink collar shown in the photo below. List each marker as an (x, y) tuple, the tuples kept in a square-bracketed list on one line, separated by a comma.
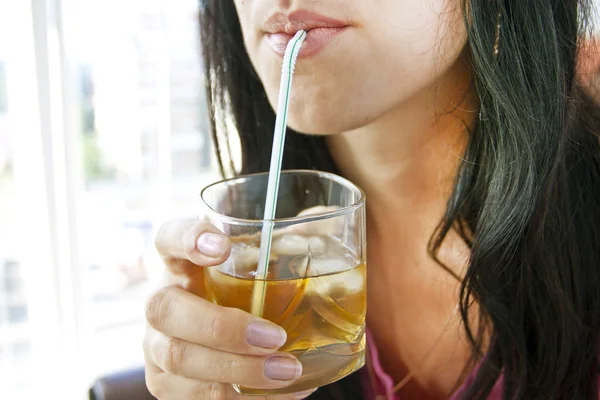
[(380, 386), (377, 383)]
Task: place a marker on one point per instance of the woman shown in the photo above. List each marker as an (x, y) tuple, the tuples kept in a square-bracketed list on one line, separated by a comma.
[(467, 127)]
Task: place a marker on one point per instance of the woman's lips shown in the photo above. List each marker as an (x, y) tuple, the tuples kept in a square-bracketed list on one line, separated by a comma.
[(280, 29), (316, 40)]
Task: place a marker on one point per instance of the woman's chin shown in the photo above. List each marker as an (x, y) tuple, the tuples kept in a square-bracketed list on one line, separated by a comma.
[(312, 128), (321, 123)]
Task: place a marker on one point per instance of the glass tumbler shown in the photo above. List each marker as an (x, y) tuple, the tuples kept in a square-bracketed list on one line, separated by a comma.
[(315, 285)]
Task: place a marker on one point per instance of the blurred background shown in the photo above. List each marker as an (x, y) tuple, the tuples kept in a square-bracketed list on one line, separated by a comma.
[(103, 136)]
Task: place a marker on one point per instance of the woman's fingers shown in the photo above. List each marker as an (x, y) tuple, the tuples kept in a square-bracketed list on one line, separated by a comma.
[(194, 240), (178, 313), (193, 361), (165, 386), (196, 349), (173, 387)]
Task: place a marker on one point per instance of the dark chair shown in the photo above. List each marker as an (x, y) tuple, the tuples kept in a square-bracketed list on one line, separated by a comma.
[(126, 385)]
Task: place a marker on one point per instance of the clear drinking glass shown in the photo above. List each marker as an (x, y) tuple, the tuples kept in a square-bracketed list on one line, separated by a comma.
[(316, 283)]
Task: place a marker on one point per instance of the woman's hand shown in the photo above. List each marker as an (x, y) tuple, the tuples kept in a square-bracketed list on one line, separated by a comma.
[(195, 349)]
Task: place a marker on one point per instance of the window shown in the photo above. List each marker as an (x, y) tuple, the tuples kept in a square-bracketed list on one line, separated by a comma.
[(103, 136), (3, 93)]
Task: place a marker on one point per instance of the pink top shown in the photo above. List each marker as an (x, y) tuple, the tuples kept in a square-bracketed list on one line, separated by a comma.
[(383, 385), (382, 388)]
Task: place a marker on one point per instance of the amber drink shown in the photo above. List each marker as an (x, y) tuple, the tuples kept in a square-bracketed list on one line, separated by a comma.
[(315, 287)]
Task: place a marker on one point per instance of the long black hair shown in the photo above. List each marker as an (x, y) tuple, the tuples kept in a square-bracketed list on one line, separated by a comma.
[(526, 198)]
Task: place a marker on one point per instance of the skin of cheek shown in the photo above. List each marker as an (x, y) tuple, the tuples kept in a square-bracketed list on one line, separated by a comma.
[(391, 53)]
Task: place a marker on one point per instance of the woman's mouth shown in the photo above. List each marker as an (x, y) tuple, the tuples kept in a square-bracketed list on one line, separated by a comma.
[(280, 29)]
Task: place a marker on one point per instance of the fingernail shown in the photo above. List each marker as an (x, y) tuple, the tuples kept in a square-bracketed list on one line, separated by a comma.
[(212, 244), (283, 368), (265, 335), (303, 395)]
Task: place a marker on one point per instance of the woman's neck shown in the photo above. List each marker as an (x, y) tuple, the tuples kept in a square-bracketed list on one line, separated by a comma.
[(406, 162), (411, 154)]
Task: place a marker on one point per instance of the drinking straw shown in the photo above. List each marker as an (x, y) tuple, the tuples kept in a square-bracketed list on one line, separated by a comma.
[(287, 71)]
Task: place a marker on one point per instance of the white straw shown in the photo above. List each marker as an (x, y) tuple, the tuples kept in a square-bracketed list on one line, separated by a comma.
[(287, 71)]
